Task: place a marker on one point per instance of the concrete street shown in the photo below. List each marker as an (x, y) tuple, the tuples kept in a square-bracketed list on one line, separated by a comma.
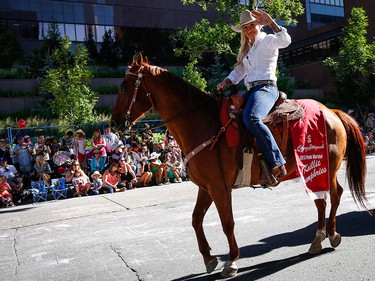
[(146, 234)]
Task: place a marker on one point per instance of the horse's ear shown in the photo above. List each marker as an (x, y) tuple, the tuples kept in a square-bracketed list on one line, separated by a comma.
[(146, 60), (137, 59)]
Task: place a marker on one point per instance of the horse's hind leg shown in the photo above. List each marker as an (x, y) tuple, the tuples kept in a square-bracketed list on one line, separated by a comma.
[(203, 203), (336, 192), (316, 245)]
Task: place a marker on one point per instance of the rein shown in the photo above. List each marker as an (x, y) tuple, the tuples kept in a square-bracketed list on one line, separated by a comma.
[(212, 141)]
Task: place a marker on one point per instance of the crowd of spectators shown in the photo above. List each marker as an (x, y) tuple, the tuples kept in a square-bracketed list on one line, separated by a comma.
[(367, 129), (104, 163)]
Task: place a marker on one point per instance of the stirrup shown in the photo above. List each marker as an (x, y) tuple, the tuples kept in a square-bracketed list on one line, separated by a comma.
[(267, 178)]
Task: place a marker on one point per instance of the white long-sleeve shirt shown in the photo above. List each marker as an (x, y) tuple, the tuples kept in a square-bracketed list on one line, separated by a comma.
[(261, 60)]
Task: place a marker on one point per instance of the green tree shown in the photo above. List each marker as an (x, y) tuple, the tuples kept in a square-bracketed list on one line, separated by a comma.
[(353, 69), (110, 49), (193, 76), (91, 45), (52, 39), (10, 49), (68, 83), (205, 37)]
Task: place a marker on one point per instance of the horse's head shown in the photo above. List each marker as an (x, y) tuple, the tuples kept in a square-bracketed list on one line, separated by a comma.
[(133, 99)]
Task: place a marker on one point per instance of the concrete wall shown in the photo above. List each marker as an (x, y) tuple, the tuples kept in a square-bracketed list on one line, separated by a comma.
[(10, 105), (32, 84)]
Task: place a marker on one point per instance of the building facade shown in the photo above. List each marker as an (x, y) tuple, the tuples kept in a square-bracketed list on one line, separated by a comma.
[(316, 37), (29, 18)]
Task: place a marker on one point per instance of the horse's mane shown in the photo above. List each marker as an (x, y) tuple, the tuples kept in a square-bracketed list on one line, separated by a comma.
[(179, 85)]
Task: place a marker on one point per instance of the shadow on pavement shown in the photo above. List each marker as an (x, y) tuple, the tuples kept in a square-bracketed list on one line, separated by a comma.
[(350, 224)]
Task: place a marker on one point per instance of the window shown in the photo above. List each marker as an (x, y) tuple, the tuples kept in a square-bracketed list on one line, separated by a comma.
[(80, 33), (70, 32)]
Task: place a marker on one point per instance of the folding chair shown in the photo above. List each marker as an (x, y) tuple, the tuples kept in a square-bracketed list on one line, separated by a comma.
[(59, 190), (39, 191)]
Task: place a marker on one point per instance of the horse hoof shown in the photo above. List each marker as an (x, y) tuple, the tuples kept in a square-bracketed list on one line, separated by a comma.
[(315, 249), (211, 265), (335, 240), (316, 245), (230, 269)]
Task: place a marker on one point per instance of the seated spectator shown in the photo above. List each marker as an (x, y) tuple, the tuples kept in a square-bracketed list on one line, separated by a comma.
[(97, 162), (81, 183), (42, 170), (144, 151), (144, 173), (13, 178), (67, 143), (127, 175), (97, 183), (117, 152), (173, 169), (23, 153), (6, 197), (69, 174), (111, 179), (158, 169), (98, 142), (6, 151)]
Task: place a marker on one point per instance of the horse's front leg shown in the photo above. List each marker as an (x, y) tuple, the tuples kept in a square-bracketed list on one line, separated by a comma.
[(223, 202), (203, 203), (316, 245)]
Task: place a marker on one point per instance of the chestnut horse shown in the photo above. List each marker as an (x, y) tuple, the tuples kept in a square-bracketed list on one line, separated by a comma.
[(192, 117)]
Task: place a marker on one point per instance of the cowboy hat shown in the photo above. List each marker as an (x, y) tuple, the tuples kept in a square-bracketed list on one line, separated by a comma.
[(79, 131), (154, 155), (245, 18), (116, 145), (96, 173)]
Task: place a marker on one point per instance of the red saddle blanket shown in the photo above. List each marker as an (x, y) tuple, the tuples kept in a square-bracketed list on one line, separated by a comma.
[(309, 139)]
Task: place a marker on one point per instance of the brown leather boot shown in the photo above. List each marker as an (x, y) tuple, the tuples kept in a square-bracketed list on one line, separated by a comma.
[(267, 178)]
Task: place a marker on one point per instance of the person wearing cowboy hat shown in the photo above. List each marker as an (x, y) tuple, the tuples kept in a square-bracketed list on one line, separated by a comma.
[(97, 183), (80, 146), (256, 65), (158, 169)]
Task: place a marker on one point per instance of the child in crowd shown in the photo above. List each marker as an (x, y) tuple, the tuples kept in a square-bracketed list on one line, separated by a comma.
[(81, 183), (97, 183), (5, 193), (80, 146)]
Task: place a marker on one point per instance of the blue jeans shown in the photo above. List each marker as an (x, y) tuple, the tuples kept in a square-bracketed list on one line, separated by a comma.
[(258, 103)]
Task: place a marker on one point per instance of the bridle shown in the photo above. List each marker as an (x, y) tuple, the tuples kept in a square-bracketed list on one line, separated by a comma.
[(139, 75)]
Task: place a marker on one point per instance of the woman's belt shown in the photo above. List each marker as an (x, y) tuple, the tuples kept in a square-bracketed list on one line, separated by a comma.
[(250, 85)]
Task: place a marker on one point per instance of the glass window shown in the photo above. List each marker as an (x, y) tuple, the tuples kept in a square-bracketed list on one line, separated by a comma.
[(70, 31), (68, 12), (79, 13), (80, 33), (99, 33)]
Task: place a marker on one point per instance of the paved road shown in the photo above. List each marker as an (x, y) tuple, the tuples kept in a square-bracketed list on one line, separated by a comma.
[(146, 234)]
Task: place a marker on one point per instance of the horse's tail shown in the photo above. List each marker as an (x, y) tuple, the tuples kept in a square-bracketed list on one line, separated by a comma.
[(355, 159)]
